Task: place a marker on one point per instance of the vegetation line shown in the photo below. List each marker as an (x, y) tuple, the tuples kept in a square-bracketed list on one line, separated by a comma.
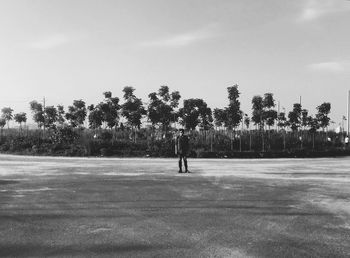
[(137, 129)]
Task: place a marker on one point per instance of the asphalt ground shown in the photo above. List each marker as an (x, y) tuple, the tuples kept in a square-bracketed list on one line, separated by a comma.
[(108, 207)]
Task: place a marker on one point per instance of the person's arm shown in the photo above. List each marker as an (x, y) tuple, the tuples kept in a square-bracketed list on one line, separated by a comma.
[(188, 145), (176, 139)]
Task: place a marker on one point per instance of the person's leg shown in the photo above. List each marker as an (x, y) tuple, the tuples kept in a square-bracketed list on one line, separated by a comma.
[(185, 163), (180, 163)]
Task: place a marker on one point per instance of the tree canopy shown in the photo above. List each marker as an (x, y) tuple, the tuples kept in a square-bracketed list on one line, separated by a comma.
[(161, 108), (76, 113), (132, 108), (195, 112)]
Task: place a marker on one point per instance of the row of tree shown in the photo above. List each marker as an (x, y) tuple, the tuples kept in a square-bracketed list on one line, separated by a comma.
[(162, 110)]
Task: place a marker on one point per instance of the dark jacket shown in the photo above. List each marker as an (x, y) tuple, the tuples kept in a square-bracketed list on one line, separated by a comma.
[(182, 145)]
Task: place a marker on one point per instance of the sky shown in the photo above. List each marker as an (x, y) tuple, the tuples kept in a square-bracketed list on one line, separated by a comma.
[(63, 50)]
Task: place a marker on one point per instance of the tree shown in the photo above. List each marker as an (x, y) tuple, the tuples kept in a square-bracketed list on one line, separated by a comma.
[(161, 108), (246, 121), (195, 112), (107, 94), (105, 112), (314, 125), (20, 118), (38, 113), (230, 116), (295, 117), (268, 101), (95, 117), (234, 114), (220, 117), (269, 115), (51, 116), (282, 123), (263, 112), (174, 99), (132, 108), (76, 113), (110, 110), (128, 92), (7, 115), (60, 114), (205, 116), (304, 118), (257, 115), (154, 108), (282, 120), (322, 114), (2, 124)]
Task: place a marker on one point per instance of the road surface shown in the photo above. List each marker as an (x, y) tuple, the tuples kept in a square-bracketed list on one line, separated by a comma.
[(110, 207)]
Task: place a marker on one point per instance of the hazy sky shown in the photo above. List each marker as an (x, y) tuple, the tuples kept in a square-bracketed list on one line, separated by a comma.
[(77, 49)]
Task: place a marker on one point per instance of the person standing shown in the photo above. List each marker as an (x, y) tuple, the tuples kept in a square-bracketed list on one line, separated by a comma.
[(182, 149)]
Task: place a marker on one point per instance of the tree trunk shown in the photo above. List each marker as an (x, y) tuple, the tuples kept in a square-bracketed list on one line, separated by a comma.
[(135, 135), (268, 139)]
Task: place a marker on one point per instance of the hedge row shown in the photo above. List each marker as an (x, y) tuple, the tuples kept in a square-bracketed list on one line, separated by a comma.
[(67, 141)]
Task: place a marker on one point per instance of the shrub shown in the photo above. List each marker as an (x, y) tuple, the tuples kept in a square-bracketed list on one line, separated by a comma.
[(63, 135), (106, 136)]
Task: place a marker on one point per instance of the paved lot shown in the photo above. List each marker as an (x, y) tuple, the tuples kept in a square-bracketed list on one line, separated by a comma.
[(96, 207)]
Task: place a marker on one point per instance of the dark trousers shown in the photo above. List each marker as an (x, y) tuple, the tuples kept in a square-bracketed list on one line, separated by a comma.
[(184, 158)]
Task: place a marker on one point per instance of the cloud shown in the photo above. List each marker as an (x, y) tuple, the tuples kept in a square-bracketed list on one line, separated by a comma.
[(315, 9), (52, 41), (330, 67), (180, 40)]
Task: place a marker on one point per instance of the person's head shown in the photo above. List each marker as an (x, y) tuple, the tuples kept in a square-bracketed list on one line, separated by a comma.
[(182, 131)]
